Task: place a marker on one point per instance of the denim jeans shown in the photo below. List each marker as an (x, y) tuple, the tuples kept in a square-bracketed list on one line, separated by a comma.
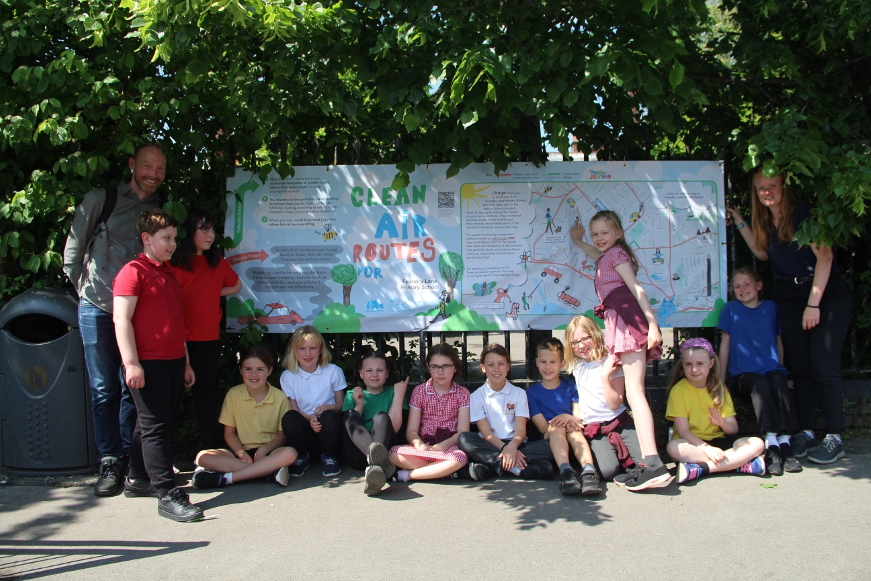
[(112, 406)]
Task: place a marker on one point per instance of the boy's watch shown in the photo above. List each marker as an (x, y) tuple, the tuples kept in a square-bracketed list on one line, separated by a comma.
[(741, 225)]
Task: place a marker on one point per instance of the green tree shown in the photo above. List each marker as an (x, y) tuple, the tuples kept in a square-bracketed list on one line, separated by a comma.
[(451, 268), (345, 275)]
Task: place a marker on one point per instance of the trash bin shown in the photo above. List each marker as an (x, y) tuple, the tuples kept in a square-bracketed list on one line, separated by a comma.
[(45, 404)]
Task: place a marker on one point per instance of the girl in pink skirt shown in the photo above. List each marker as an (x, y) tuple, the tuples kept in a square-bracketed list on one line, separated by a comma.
[(438, 412), (631, 333)]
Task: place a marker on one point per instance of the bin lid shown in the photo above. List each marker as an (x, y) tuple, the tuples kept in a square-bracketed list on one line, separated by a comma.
[(55, 302)]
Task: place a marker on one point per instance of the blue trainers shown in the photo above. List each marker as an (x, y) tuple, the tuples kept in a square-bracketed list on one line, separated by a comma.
[(802, 444), (687, 471), (831, 450), (299, 467), (756, 467), (331, 466)]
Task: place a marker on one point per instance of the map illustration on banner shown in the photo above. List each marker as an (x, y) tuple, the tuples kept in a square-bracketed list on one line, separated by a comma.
[(337, 248)]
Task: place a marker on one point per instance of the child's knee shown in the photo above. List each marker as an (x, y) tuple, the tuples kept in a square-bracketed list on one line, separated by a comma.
[(673, 448), (287, 454)]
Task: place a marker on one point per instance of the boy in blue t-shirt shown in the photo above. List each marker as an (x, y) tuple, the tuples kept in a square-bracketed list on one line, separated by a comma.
[(552, 406)]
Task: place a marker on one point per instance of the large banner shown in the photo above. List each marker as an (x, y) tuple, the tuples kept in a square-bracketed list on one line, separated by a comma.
[(337, 248)]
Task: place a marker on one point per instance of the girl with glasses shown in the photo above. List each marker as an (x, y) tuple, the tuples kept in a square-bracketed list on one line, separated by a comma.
[(438, 412)]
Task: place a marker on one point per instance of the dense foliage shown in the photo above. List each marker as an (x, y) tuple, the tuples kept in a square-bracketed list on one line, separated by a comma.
[(284, 83)]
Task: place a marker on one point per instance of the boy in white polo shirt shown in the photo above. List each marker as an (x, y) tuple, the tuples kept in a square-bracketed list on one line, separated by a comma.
[(500, 410)]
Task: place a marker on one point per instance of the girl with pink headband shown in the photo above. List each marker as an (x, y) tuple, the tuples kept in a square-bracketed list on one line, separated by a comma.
[(704, 419)]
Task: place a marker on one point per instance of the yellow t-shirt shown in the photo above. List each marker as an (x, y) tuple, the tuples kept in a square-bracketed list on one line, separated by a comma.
[(256, 422), (692, 403)]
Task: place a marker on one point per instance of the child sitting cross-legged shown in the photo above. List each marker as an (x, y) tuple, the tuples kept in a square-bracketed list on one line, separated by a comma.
[(251, 416), (704, 419), (500, 411)]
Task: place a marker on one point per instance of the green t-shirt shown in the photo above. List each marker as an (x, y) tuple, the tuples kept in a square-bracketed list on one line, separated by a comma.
[(372, 403)]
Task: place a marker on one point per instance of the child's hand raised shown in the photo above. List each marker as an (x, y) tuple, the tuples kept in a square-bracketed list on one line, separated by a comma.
[(402, 386), (357, 395), (577, 232), (716, 417)]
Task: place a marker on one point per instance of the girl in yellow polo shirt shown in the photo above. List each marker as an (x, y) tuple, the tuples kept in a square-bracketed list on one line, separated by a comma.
[(704, 419), (251, 416)]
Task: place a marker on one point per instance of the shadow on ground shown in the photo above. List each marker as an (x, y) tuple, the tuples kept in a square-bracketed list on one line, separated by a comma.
[(36, 559)]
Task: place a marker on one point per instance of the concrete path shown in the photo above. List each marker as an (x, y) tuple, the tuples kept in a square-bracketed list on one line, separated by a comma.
[(813, 525)]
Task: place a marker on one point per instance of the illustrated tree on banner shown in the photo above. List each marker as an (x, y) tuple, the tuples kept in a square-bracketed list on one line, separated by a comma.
[(451, 268), (346, 275)]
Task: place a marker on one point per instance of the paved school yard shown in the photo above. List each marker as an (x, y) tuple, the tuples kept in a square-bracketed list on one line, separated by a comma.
[(813, 525)]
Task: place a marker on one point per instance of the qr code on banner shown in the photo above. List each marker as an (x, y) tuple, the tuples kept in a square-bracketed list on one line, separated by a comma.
[(446, 199)]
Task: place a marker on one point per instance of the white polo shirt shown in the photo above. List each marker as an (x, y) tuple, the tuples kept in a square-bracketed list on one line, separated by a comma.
[(499, 407), (309, 390)]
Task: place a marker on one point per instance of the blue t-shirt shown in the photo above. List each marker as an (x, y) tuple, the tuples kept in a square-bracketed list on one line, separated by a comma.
[(551, 402), (752, 337)]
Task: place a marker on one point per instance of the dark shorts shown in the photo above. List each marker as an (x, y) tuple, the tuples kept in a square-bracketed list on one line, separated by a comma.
[(251, 452), (723, 443)]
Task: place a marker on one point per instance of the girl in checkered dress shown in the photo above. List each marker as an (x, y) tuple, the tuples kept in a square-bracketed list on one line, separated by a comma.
[(438, 412), (632, 335)]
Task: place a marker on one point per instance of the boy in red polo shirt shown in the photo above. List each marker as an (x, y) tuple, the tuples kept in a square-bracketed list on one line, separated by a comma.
[(149, 326)]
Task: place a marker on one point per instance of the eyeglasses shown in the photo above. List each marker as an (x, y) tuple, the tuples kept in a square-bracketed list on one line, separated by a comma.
[(577, 343), (441, 368)]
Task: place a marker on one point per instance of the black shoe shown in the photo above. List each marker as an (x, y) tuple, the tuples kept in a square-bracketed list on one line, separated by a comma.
[(177, 506), (590, 484), (773, 461), (568, 483), (790, 462), (630, 474), (139, 487), (480, 472), (541, 470), (802, 444), (203, 478), (646, 478), (111, 478)]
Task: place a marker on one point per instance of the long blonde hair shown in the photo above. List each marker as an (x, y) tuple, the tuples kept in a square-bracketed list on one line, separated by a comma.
[(763, 221), (298, 338), (613, 220), (597, 340), (715, 386)]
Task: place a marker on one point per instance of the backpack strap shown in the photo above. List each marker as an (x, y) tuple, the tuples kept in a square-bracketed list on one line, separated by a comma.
[(108, 208)]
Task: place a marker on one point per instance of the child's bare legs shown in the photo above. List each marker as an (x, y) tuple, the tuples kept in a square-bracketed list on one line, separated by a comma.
[(423, 469), (580, 447), (224, 461), (634, 369), (741, 452), (560, 441)]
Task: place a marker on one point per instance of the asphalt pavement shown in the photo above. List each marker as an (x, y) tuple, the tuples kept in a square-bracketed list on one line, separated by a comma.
[(812, 525)]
